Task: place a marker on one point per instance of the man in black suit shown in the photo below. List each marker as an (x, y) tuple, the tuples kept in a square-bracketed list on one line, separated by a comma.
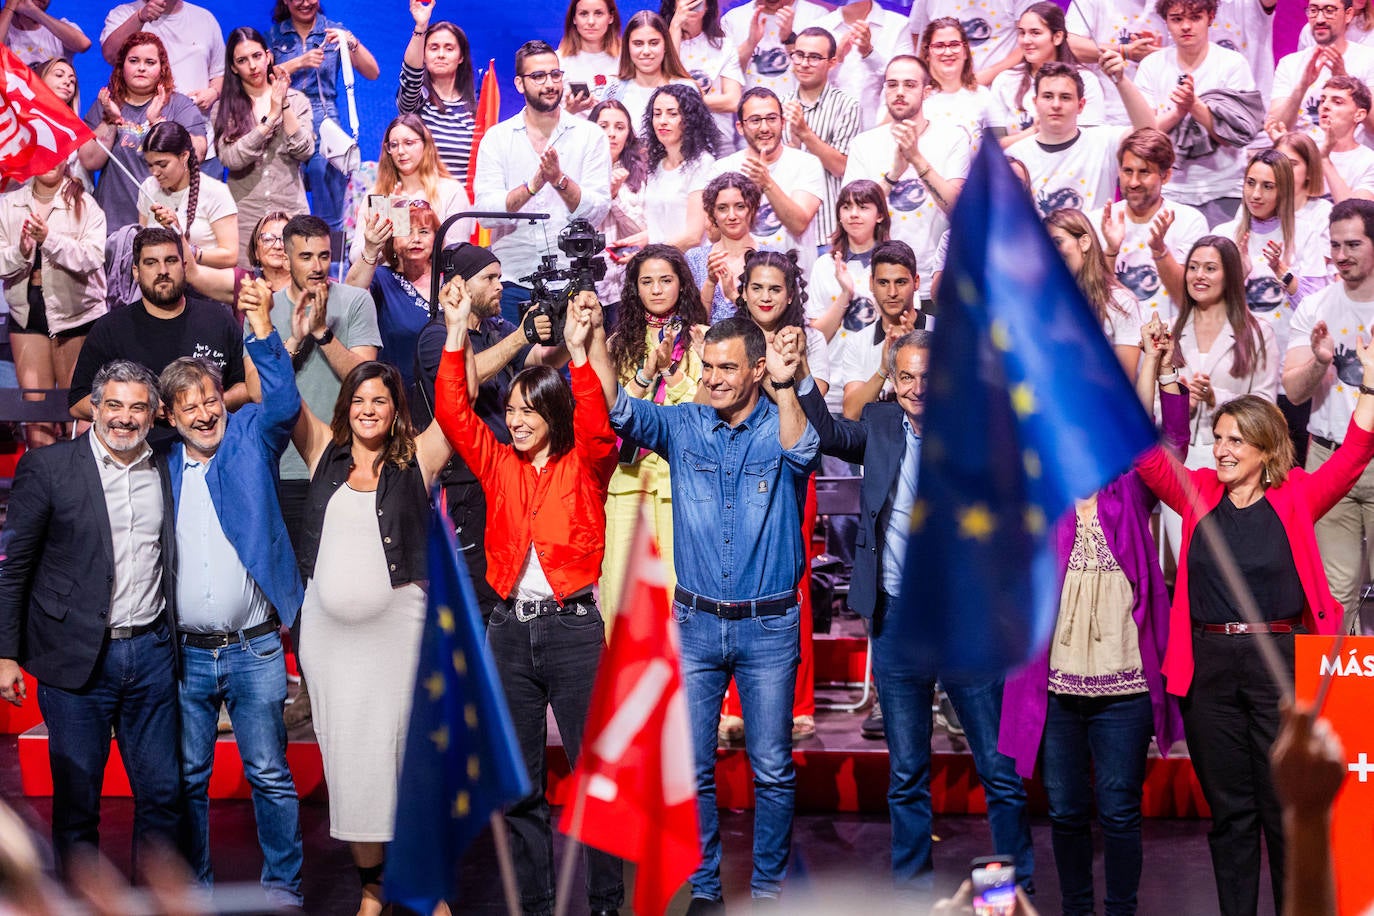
[(86, 607), (886, 440)]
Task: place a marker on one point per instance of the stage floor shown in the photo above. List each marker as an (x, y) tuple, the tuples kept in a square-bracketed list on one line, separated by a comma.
[(840, 860)]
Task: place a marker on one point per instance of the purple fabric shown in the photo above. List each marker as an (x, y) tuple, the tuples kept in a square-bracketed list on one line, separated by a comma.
[(1124, 508)]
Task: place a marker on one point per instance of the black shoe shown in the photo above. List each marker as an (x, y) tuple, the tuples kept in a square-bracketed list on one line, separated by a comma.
[(873, 727), (705, 906)]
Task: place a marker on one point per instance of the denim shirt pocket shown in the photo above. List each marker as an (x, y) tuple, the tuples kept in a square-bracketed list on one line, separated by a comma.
[(760, 480), (702, 480)]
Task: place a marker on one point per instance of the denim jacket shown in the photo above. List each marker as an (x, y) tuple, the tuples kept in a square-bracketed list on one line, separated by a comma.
[(737, 495), (320, 85)]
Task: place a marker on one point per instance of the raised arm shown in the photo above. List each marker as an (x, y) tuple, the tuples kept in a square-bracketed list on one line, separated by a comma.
[(276, 380), (782, 358)]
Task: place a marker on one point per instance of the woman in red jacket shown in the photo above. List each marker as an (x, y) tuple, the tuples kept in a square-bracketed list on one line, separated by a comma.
[(1262, 509), (546, 534)]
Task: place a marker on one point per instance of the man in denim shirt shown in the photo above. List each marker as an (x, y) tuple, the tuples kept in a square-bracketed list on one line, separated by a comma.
[(739, 472)]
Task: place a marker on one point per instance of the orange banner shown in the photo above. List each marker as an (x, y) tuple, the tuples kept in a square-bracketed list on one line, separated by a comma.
[(1348, 706)]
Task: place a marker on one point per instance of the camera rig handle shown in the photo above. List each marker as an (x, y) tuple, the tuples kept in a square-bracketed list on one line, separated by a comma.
[(436, 256)]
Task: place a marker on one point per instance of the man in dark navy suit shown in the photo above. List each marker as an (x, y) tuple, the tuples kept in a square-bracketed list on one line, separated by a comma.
[(86, 607), (886, 439)]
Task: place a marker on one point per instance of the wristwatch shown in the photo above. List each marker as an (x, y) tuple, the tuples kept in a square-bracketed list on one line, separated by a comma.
[(324, 339)]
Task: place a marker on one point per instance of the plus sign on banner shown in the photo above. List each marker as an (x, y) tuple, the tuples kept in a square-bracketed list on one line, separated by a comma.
[(1347, 708)]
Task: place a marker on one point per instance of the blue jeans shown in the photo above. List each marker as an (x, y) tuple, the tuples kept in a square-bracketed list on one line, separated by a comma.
[(1096, 746), (513, 298), (328, 189), (761, 653), (250, 677), (550, 662), (907, 697), (133, 691)]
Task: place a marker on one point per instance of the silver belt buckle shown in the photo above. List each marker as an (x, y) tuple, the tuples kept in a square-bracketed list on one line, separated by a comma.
[(520, 614)]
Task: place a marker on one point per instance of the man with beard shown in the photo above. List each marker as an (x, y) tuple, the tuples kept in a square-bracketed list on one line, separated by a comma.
[(1295, 103), (87, 606), (500, 351), (161, 327), (236, 585), (1321, 364), (792, 180), (921, 164), (539, 161)]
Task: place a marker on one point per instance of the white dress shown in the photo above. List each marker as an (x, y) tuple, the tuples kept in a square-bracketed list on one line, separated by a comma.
[(360, 643)]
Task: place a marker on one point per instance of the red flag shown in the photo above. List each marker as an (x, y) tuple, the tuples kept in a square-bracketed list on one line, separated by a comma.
[(635, 781), (488, 113), (37, 129)]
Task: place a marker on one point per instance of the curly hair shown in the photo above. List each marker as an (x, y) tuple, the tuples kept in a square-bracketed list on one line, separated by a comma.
[(794, 315), (699, 133), (632, 156), (400, 443), (431, 167), (628, 343), (171, 137), (725, 180), (119, 90)]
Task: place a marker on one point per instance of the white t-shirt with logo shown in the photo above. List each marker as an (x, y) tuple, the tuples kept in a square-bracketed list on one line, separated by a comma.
[(1018, 113), (1264, 294), (1112, 23), (706, 64), (916, 218), (1359, 62), (862, 77), (1080, 174), (666, 196), (1244, 26), (823, 290), (1135, 264), (968, 109), (989, 24), (1221, 172), (36, 45), (796, 172), (1333, 402), (770, 66)]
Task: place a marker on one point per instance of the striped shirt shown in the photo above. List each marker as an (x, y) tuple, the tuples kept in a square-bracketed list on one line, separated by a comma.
[(452, 128), (835, 119)]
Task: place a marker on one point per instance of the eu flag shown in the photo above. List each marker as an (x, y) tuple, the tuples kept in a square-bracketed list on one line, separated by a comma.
[(1027, 409), (462, 761)]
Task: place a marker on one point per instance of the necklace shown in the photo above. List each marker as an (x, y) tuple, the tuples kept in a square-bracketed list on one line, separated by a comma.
[(660, 321)]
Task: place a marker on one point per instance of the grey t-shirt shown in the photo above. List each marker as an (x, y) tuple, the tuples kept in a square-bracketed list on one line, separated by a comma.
[(352, 316)]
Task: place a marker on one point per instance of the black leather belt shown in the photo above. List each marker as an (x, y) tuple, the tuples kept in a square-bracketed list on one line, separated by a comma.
[(735, 610), (527, 610), (221, 640), (1325, 442), (131, 632)]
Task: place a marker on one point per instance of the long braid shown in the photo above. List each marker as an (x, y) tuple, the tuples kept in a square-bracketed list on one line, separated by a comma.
[(192, 191)]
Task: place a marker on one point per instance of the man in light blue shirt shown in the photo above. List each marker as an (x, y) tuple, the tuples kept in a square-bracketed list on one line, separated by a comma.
[(237, 575), (739, 472)]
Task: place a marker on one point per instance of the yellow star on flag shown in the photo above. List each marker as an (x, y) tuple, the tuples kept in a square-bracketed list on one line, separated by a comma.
[(440, 738), (976, 522), (462, 804), (460, 662), (435, 685), (474, 767), (1001, 337), (470, 715), (1034, 520), (445, 620), (1030, 460), (920, 510), (1023, 400)]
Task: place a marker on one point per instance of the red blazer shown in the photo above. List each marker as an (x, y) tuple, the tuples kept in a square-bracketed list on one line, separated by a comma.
[(1299, 501), (561, 510)]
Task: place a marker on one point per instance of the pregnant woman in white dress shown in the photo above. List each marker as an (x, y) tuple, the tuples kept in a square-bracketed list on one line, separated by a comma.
[(364, 560)]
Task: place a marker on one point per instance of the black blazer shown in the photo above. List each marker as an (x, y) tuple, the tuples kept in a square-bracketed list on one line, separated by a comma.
[(58, 573), (877, 440)]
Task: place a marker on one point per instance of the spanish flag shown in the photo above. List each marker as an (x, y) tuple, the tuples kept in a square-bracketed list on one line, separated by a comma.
[(488, 113)]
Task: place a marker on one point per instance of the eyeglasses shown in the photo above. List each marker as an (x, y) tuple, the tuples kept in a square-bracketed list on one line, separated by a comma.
[(946, 46), (757, 121), (801, 57), (1328, 12), (540, 77), (270, 240), (408, 143)]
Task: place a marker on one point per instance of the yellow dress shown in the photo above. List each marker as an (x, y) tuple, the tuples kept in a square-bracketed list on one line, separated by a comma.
[(648, 477)]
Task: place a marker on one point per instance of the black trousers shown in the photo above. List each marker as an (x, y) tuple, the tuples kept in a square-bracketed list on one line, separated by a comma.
[(1231, 718)]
